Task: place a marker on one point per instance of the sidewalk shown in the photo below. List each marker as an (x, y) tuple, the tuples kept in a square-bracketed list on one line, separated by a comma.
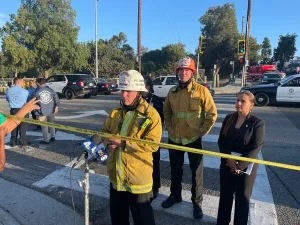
[(23, 206), (230, 88), (20, 205)]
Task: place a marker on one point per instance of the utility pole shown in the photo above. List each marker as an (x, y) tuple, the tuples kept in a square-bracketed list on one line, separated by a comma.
[(198, 56), (247, 38), (139, 47), (96, 36), (243, 24)]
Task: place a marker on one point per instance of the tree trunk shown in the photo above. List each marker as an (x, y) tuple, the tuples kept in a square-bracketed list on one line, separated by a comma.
[(46, 73)]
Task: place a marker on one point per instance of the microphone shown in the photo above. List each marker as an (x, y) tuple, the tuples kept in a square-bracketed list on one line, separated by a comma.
[(94, 147)]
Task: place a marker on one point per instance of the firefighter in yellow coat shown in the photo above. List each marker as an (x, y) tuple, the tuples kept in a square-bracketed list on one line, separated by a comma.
[(129, 165), (189, 112)]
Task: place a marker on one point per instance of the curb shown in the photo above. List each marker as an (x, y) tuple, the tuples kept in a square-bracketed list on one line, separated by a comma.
[(6, 218), (226, 92), (25, 206)]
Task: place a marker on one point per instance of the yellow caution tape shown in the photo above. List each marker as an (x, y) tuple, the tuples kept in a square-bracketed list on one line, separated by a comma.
[(162, 145)]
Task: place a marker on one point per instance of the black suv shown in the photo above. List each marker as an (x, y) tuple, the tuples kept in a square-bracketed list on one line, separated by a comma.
[(71, 85), (270, 78)]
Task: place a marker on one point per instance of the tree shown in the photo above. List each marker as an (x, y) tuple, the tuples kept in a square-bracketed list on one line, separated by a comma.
[(148, 67), (286, 49), (114, 55), (254, 49), (47, 30), (221, 34), (266, 51), (162, 62), (170, 54), (4, 71), (17, 57), (80, 53), (144, 50)]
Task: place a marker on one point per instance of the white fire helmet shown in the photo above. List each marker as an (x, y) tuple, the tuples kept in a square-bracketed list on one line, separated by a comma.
[(131, 80)]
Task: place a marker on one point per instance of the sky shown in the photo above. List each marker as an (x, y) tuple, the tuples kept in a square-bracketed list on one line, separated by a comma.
[(172, 21)]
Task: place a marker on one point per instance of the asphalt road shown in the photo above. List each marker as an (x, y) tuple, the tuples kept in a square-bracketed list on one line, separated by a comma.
[(34, 169)]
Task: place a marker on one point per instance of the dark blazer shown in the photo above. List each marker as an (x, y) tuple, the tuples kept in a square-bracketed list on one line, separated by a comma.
[(250, 144), (157, 103)]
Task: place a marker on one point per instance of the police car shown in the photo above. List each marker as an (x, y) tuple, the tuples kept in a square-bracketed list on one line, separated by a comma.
[(285, 91)]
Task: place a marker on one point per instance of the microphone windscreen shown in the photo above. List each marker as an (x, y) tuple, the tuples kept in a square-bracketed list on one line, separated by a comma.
[(96, 139)]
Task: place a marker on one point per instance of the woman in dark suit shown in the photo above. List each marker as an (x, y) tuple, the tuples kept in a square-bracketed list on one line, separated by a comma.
[(242, 133), (158, 104)]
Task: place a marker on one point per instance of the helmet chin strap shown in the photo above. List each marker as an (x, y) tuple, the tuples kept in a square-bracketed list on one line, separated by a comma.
[(133, 105), (183, 84)]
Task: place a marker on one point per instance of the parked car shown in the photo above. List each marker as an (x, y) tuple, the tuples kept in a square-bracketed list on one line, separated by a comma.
[(269, 78), (163, 84), (106, 87), (281, 74), (72, 85), (285, 91)]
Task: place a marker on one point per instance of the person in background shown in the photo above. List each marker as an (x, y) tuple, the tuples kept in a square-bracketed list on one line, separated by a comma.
[(31, 90), (158, 104), (130, 164), (17, 98), (49, 103), (9, 84), (190, 113), (242, 133), (7, 125), (32, 87)]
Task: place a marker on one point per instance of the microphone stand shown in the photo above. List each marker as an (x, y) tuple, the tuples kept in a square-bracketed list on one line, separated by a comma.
[(86, 191), (86, 187)]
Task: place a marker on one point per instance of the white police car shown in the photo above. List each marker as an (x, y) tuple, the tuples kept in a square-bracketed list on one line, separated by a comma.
[(286, 91)]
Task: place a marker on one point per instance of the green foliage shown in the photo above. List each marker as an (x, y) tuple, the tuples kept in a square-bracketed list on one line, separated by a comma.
[(114, 56), (16, 57), (286, 49), (266, 51), (219, 27), (4, 70), (162, 62), (254, 49), (43, 36), (46, 30)]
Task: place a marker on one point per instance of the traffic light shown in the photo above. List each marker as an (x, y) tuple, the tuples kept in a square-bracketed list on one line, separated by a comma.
[(241, 47), (202, 47)]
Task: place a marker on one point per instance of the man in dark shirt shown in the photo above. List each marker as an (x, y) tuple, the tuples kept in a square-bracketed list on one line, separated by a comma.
[(49, 103), (158, 104)]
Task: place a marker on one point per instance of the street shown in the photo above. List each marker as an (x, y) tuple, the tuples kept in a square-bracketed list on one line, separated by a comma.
[(275, 198)]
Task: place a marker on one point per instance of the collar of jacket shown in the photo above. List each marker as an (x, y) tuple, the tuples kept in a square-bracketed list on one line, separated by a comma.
[(237, 116), (148, 97), (190, 87), (141, 108)]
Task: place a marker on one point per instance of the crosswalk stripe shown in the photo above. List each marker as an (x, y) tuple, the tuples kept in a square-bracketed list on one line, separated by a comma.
[(260, 210), (221, 115), (208, 137), (227, 97), (231, 109), (225, 101)]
